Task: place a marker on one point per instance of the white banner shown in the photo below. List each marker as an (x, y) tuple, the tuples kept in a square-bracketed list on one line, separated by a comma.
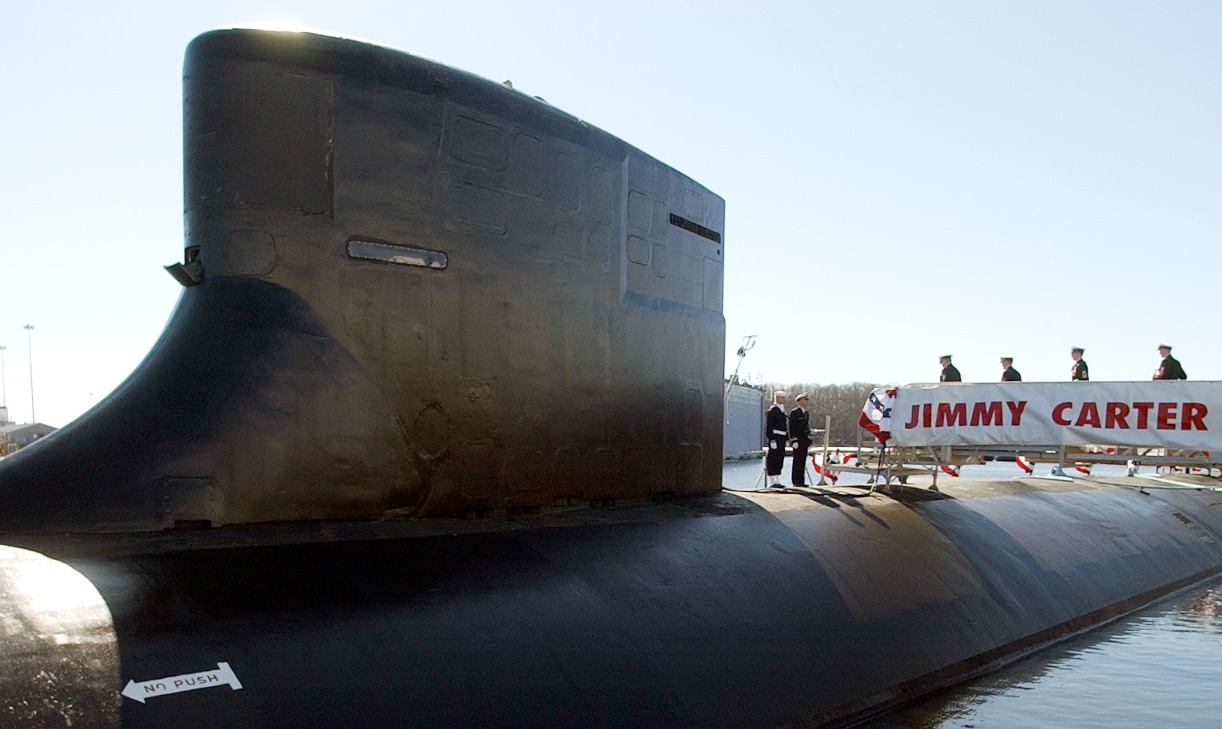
[(1171, 414)]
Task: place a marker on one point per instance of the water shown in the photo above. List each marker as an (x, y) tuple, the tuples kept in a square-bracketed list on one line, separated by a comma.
[(1161, 667)]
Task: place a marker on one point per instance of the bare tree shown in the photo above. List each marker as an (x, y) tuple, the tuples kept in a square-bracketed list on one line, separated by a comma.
[(842, 402)]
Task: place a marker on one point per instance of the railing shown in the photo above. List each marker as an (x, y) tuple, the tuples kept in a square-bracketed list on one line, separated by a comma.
[(897, 463)]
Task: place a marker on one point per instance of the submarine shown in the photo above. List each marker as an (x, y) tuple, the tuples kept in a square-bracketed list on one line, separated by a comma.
[(433, 439)]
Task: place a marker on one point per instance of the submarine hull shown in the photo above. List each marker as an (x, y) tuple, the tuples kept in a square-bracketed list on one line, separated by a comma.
[(718, 611)]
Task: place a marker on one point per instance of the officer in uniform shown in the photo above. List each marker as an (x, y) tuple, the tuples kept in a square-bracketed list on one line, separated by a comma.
[(1080, 372), (1008, 373), (1169, 368), (799, 433), (777, 433), (950, 373)]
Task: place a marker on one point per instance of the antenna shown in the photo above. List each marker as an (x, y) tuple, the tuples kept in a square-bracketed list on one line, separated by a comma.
[(748, 344)]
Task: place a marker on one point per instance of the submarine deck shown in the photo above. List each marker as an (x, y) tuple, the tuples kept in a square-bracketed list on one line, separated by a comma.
[(725, 503), (651, 614)]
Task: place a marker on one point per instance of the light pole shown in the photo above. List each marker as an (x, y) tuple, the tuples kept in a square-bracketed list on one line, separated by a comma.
[(29, 340)]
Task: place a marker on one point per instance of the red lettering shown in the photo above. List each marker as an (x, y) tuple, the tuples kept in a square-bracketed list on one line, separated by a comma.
[(1194, 416), (1016, 411), (1058, 413), (926, 418), (1089, 416), (986, 413), (952, 414), (1117, 416), (912, 423), (1143, 410), (1166, 416)]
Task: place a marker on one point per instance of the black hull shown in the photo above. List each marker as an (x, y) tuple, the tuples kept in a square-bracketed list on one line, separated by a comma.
[(713, 612)]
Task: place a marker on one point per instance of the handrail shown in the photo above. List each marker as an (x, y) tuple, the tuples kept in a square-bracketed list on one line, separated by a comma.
[(900, 462)]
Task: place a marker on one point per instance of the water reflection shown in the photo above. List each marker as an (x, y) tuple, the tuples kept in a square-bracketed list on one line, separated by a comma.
[(1160, 667), (61, 657)]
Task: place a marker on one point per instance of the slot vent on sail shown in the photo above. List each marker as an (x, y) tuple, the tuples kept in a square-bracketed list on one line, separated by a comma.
[(692, 226)]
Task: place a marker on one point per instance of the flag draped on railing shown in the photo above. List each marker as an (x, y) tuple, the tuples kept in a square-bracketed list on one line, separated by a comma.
[(816, 461), (876, 413)]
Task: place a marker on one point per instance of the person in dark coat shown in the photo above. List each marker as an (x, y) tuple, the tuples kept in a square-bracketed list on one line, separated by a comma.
[(1008, 373), (1169, 368), (776, 430), (950, 373), (799, 433), (1080, 372)]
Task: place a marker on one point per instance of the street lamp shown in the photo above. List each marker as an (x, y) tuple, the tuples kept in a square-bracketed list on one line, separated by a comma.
[(29, 340)]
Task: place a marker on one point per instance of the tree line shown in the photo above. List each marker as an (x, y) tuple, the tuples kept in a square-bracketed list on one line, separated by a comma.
[(842, 402)]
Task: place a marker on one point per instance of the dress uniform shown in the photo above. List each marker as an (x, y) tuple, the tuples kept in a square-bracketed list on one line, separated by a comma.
[(776, 430), (950, 373), (1169, 368), (1080, 372), (799, 431), (1009, 374)]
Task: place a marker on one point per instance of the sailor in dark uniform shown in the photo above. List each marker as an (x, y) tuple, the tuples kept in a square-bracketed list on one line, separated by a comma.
[(799, 432), (1080, 372), (950, 373), (1169, 368), (777, 433), (1008, 373)]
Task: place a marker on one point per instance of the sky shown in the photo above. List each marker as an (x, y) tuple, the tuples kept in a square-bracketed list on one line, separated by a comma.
[(902, 180)]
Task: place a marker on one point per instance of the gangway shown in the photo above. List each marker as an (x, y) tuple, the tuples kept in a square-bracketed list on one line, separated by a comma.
[(885, 464), (898, 463), (929, 428)]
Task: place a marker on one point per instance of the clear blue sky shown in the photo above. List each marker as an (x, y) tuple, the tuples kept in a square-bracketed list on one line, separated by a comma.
[(902, 179)]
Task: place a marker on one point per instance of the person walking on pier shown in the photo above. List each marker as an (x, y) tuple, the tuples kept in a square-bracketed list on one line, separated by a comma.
[(776, 428), (1008, 373), (1079, 372), (799, 433), (1169, 368), (950, 373)]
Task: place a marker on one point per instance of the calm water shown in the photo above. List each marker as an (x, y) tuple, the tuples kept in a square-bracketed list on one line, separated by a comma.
[(1161, 667)]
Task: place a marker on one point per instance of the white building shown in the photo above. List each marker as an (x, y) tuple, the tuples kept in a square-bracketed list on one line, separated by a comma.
[(743, 436), (19, 435)]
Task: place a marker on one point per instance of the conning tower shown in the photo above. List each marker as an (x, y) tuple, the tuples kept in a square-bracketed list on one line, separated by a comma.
[(407, 289)]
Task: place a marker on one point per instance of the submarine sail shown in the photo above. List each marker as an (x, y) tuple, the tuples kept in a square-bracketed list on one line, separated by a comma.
[(408, 290)]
